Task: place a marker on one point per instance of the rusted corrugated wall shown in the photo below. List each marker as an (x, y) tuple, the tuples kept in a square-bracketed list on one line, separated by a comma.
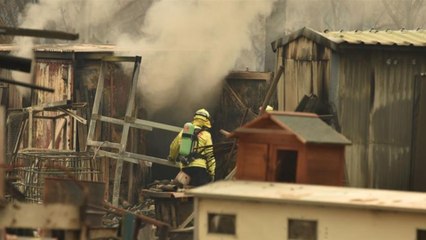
[(73, 72), (306, 70), (376, 113), (372, 90), (353, 101), (418, 177), (56, 74)]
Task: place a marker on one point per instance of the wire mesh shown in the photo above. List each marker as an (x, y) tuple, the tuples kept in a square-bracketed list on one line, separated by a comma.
[(33, 166)]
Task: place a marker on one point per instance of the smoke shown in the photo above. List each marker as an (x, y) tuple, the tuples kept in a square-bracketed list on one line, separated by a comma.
[(62, 15), (24, 45), (188, 47)]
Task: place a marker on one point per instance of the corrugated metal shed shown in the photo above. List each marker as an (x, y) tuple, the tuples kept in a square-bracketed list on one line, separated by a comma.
[(310, 129), (367, 77)]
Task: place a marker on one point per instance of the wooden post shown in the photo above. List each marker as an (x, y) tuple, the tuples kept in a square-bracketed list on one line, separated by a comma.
[(131, 184), (30, 128), (271, 89), (2, 149), (125, 134)]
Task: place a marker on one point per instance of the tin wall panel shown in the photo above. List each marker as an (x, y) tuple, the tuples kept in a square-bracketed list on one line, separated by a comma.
[(418, 178), (303, 78), (375, 111), (56, 74), (306, 71), (391, 120), (373, 92), (354, 95)]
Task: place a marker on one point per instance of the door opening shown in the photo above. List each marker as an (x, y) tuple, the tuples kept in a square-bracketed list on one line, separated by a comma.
[(286, 166)]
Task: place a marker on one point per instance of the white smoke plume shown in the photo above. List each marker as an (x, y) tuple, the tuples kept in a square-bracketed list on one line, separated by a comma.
[(36, 17), (188, 47), (60, 15)]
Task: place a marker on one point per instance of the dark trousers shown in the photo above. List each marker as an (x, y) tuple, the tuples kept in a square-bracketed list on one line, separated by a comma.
[(199, 175)]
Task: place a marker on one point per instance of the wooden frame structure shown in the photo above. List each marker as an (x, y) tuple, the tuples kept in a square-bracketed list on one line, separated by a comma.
[(129, 121)]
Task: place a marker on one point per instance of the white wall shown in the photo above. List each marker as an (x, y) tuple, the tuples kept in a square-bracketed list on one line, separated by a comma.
[(261, 221)]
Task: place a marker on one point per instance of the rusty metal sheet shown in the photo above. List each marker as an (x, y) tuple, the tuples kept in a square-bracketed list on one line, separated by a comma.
[(56, 74)]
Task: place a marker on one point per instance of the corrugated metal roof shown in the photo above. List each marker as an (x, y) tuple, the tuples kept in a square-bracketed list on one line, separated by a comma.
[(375, 37), (310, 129), (314, 195), (333, 39), (64, 48)]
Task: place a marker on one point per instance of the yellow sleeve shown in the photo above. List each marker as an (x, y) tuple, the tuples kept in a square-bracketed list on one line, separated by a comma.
[(174, 147), (208, 152)]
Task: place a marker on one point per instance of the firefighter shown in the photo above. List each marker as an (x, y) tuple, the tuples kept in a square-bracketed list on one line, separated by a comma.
[(200, 163)]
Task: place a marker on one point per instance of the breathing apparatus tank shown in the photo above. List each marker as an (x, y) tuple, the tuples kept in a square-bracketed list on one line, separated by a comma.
[(187, 144)]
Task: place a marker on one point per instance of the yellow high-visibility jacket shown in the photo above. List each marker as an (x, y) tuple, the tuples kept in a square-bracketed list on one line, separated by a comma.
[(204, 139)]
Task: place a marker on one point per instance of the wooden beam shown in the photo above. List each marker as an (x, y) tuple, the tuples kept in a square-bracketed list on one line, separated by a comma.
[(2, 149), (125, 134), (271, 90), (136, 158), (263, 76), (37, 33)]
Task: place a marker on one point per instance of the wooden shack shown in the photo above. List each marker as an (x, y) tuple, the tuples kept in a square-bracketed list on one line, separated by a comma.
[(73, 70), (374, 83), (290, 147), (262, 210)]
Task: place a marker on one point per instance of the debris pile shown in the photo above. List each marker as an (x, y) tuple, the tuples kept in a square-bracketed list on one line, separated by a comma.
[(166, 186), (145, 208)]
